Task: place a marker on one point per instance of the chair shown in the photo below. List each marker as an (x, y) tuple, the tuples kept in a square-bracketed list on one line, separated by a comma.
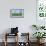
[(25, 43), (14, 32)]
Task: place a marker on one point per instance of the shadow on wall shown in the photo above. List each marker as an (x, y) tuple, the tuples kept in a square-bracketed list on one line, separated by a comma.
[(32, 30), (7, 31), (3, 33)]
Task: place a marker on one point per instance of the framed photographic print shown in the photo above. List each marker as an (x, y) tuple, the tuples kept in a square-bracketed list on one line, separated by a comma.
[(17, 13), (41, 12), (41, 8)]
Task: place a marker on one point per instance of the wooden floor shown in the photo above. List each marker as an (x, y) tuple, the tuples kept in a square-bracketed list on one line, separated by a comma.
[(13, 44)]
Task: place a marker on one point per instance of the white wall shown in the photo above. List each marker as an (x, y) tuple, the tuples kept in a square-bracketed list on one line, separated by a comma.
[(24, 24)]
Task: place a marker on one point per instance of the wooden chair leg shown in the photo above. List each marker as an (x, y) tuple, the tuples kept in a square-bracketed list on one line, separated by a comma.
[(5, 39), (17, 39), (5, 43)]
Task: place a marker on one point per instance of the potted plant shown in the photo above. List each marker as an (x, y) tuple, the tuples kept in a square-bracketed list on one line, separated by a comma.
[(38, 27), (42, 27), (35, 26), (39, 35)]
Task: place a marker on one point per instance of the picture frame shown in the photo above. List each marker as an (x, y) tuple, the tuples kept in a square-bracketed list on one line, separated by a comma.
[(41, 8), (17, 13), (40, 12)]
